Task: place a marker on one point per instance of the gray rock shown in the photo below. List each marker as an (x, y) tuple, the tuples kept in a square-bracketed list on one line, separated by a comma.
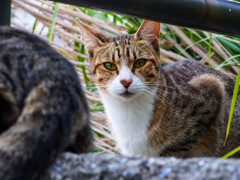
[(70, 166)]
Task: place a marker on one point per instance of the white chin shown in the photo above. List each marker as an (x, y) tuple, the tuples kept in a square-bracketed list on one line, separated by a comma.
[(127, 96)]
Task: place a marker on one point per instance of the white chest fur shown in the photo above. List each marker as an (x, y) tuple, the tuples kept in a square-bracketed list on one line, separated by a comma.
[(129, 121)]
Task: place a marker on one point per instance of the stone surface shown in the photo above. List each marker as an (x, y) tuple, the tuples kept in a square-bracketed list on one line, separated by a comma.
[(112, 166)]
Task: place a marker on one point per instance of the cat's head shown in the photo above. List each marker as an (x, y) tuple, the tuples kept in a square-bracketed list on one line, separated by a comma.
[(124, 66)]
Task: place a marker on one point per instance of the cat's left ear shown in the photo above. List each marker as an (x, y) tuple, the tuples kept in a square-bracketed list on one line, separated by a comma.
[(149, 30), (92, 38)]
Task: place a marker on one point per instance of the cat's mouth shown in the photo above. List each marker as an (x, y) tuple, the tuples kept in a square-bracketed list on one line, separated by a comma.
[(127, 94)]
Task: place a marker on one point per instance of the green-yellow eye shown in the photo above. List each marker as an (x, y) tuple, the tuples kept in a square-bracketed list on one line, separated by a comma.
[(110, 66), (139, 63)]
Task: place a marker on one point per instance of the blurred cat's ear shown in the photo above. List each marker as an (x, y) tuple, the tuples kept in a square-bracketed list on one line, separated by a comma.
[(92, 38), (149, 30)]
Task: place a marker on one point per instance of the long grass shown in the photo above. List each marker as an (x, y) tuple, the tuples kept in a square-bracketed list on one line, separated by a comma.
[(51, 28), (234, 98), (231, 153), (176, 43)]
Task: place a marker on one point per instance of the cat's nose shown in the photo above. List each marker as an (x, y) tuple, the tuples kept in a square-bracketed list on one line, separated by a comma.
[(126, 83)]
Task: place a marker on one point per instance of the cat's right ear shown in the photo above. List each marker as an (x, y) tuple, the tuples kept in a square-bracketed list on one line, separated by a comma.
[(92, 38), (149, 31)]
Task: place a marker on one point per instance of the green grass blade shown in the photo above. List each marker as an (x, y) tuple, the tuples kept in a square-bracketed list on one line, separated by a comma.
[(228, 44), (200, 41), (96, 110), (234, 98), (34, 26), (231, 153), (51, 29), (226, 62), (81, 49), (209, 50)]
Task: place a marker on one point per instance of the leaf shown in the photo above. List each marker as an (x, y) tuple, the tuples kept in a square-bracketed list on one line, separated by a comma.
[(51, 29), (234, 98), (231, 153), (209, 50), (34, 26), (229, 44)]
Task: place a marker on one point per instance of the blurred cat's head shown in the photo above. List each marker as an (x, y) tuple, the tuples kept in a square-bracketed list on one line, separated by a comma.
[(124, 66)]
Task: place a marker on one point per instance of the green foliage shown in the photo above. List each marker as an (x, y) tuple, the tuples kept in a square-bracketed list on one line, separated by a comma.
[(209, 50), (81, 49), (34, 26), (51, 29), (231, 153), (96, 110), (234, 98), (96, 149)]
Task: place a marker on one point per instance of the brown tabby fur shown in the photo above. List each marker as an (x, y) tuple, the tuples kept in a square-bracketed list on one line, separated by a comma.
[(43, 110), (192, 104)]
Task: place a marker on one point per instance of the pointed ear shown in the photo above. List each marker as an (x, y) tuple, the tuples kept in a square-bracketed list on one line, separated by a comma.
[(92, 38), (149, 30)]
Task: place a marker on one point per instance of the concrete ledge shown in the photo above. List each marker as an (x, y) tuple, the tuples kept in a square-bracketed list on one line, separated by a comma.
[(70, 166)]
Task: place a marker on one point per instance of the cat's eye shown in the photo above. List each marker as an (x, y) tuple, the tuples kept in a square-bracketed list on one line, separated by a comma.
[(139, 63), (110, 66)]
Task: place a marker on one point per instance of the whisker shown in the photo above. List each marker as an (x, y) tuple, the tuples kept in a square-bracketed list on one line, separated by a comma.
[(155, 95)]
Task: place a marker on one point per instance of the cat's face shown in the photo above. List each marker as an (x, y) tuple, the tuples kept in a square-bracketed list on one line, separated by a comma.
[(125, 66)]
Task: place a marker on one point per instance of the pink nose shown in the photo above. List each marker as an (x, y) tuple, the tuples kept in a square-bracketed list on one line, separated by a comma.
[(126, 83)]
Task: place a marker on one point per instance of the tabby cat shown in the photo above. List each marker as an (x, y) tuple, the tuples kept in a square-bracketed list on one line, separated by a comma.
[(43, 110), (180, 109)]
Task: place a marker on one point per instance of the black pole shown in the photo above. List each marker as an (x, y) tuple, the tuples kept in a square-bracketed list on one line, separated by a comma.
[(5, 12), (220, 16)]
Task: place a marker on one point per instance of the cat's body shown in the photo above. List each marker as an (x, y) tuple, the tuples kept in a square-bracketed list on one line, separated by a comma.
[(144, 126), (198, 98), (43, 110), (177, 110)]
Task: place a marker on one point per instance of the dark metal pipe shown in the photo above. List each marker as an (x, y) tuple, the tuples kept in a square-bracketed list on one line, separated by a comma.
[(220, 16), (5, 12)]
